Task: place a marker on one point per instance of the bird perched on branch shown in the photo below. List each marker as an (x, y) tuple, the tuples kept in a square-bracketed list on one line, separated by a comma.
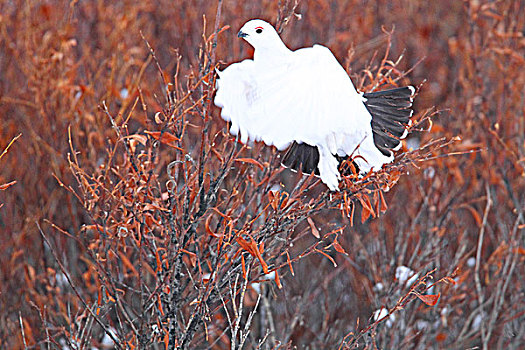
[(304, 100)]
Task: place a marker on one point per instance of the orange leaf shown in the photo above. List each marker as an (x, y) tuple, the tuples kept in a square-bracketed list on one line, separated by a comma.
[(243, 267), (367, 208), (278, 280), (369, 205), (166, 340), (315, 231), (261, 260), (271, 199), (159, 302), (290, 263), (164, 137), (251, 247), (430, 299), (328, 256), (338, 247), (92, 227), (284, 200), (245, 245), (110, 298), (520, 250), (377, 202), (7, 185), (384, 206), (251, 161), (449, 280), (365, 214), (441, 337)]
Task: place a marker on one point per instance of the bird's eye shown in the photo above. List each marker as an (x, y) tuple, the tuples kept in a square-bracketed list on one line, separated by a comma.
[(258, 30)]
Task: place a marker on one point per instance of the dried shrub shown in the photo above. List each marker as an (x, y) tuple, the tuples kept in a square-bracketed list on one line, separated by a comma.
[(138, 221)]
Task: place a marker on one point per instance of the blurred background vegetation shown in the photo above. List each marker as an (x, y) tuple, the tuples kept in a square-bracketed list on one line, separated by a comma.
[(77, 78)]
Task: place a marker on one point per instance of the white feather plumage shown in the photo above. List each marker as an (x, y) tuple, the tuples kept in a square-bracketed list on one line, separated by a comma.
[(282, 96)]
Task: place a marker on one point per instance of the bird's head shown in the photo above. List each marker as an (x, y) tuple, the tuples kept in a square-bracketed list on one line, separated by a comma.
[(260, 34)]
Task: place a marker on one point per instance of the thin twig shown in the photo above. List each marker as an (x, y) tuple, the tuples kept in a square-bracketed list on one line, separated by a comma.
[(22, 329), (478, 263)]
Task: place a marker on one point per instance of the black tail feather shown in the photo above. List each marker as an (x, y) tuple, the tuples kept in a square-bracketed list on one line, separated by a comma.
[(390, 94), (391, 111), (302, 157), (305, 158)]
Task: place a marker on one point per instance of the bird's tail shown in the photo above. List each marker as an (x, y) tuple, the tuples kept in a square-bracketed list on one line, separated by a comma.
[(302, 157), (391, 111), (305, 158)]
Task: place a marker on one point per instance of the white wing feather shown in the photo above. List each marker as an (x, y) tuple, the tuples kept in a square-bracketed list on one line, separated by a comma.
[(306, 97)]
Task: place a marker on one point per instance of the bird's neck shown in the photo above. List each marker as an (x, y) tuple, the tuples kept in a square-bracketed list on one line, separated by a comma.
[(277, 53)]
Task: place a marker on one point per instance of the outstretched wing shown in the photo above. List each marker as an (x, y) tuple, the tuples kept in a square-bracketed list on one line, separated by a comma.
[(305, 97)]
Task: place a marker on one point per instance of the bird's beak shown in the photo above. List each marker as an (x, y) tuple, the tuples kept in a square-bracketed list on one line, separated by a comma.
[(241, 34)]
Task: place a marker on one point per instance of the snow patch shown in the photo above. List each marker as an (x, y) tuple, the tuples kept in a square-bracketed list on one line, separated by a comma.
[(405, 275), (383, 312)]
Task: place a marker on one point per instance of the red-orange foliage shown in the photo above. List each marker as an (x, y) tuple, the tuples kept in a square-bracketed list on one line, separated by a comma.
[(130, 217)]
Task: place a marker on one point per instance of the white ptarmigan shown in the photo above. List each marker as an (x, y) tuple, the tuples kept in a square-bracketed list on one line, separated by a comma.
[(305, 101)]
